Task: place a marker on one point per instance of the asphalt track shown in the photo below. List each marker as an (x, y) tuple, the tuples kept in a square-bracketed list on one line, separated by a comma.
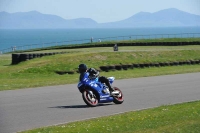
[(37, 107)]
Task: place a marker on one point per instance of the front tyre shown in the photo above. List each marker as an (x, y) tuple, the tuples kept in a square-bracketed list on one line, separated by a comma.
[(118, 99), (90, 98)]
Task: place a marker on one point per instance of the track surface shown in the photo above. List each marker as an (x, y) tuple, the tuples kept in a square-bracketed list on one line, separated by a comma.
[(36, 107)]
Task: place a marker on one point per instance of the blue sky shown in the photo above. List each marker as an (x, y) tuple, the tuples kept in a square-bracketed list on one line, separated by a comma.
[(98, 10)]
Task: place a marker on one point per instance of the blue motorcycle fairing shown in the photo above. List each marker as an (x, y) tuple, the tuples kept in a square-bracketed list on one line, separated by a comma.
[(97, 87)]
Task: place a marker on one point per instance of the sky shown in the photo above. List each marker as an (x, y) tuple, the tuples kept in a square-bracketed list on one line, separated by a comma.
[(101, 11)]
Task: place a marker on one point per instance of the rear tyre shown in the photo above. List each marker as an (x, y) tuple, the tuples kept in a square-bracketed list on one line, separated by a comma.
[(118, 99), (90, 98)]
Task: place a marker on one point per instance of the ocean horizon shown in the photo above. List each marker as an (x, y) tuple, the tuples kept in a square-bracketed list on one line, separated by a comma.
[(21, 37)]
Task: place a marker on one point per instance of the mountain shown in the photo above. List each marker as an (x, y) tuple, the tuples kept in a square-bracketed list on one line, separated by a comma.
[(165, 18), (34, 20)]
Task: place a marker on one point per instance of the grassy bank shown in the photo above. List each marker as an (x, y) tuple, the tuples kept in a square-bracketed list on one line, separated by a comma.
[(70, 61), (41, 71), (179, 118)]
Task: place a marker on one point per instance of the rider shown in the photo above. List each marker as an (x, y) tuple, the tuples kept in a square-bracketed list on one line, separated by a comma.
[(86, 74)]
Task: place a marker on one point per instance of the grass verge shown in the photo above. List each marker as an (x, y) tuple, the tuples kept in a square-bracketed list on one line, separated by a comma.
[(31, 80), (179, 118)]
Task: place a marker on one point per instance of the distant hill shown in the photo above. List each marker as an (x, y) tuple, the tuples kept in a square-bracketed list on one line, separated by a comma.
[(34, 20), (165, 18)]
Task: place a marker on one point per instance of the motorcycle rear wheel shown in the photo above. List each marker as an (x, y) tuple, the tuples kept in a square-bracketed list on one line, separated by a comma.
[(118, 99), (90, 100)]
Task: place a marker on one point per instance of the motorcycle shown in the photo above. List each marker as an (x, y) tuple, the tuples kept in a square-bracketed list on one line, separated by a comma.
[(95, 92)]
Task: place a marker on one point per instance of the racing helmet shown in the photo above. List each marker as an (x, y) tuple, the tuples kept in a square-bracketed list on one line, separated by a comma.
[(93, 73), (82, 68)]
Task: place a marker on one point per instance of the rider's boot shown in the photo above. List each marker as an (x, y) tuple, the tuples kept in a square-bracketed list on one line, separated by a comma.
[(110, 88), (112, 91)]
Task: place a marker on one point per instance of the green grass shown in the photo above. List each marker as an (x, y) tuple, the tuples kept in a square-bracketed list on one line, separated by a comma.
[(5, 61), (179, 118), (41, 71)]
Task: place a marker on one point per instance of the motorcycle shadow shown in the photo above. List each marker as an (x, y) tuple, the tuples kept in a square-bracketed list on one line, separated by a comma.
[(79, 106)]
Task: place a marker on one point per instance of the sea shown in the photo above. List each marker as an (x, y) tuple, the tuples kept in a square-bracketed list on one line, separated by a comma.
[(49, 37)]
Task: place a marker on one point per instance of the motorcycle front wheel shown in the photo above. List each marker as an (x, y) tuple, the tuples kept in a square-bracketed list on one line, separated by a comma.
[(90, 98), (118, 99)]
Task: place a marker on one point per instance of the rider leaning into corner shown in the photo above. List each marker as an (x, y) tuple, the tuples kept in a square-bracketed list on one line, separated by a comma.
[(87, 74)]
